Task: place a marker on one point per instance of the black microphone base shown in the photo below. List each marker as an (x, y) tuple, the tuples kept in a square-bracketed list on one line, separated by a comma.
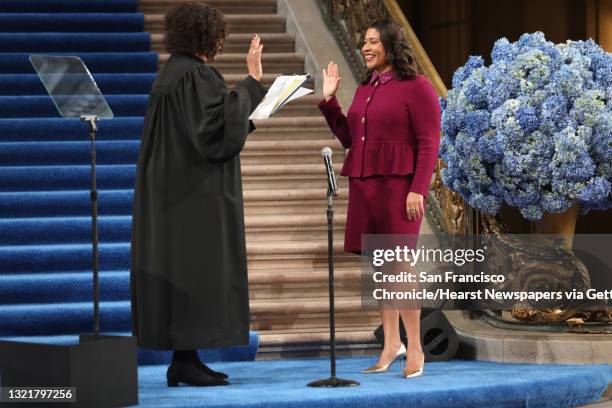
[(333, 382)]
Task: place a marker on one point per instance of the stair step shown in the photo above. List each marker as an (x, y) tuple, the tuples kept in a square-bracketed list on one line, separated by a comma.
[(54, 6), (126, 152), (267, 147), (116, 256), (127, 128), (292, 123), (303, 306), (119, 202), (62, 318), (309, 291), (109, 84), (294, 128), (306, 262), (64, 22), (117, 229), (225, 6), (297, 207), (349, 335), (235, 63), (301, 276), (266, 80), (65, 42), (285, 169), (41, 106), (313, 322), (76, 286), (70, 318), (49, 178), (236, 23), (97, 62), (134, 105), (240, 42)]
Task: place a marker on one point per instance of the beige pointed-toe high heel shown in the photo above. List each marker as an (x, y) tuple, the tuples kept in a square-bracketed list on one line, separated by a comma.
[(415, 373), (401, 353)]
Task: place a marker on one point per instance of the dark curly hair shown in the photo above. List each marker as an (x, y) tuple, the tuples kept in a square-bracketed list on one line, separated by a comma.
[(398, 51), (196, 29)]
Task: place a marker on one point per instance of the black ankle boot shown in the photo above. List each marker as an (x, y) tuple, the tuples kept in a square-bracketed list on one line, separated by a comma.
[(184, 356), (191, 374), (207, 370)]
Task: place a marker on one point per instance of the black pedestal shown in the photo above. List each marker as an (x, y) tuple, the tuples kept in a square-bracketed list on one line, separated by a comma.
[(103, 370)]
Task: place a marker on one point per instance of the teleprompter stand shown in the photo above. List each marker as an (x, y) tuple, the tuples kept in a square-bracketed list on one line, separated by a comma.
[(102, 369)]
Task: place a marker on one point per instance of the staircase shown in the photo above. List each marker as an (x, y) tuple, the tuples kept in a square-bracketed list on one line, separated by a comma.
[(45, 229), (45, 224), (284, 193)]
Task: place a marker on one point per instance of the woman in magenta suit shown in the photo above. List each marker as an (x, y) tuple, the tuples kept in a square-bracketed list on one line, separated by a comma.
[(392, 132)]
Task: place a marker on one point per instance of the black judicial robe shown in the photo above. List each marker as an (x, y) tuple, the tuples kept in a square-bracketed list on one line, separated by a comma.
[(188, 277)]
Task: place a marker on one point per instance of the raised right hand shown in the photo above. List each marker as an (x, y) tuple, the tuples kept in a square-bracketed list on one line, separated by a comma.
[(331, 81), (253, 58)]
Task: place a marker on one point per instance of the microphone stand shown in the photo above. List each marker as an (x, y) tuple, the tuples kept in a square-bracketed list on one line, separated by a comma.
[(332, 381)]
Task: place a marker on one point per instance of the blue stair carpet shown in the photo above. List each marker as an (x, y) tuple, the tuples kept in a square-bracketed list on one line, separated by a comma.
[(45, 209), (42, 106), (57, 129), (69, 6), (97, 62), (453, 384), (74, 42), (71, 22), (109, 84)]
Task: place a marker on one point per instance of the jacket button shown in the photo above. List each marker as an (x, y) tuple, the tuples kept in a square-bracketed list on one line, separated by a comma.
[(363, 119), (362, 138), (368, 100)]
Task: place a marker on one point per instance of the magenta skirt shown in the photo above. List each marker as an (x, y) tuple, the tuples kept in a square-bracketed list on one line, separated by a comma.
[(377, 205)]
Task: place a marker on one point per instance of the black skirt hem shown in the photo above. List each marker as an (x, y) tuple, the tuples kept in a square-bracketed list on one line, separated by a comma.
[(210, 339)]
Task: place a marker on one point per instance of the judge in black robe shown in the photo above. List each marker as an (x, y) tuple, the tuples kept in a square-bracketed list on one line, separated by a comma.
[(188, 284)]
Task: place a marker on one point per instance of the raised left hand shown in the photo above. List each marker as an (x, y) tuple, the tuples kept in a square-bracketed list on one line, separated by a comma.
[(414, 206)]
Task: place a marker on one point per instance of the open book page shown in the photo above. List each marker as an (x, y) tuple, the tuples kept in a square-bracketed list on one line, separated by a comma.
[(289, 87), (284, 89), (298, 94)]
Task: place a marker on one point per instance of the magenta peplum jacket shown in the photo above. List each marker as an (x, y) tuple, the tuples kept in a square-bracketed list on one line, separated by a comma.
[(392, 128)]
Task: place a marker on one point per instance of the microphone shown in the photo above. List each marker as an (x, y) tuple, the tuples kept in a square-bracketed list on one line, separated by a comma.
[(326, 152)]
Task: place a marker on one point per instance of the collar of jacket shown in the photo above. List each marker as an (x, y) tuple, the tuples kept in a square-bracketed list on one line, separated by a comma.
[(384, 78)]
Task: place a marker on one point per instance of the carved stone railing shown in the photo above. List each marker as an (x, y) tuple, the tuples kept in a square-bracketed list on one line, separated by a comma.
[(447, 213)]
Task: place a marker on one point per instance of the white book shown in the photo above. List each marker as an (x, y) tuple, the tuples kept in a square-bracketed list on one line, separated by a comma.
[(284, 89)]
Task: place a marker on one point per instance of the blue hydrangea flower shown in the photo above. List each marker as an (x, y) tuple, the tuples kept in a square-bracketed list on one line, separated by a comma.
[(465, 71), (533, 129), (528, 118)]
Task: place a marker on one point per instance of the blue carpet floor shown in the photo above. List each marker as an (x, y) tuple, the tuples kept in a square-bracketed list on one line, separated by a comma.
[(461, 384), (45, 225)]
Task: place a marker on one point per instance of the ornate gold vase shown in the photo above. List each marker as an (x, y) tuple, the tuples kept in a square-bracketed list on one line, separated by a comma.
[(562, 224)]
